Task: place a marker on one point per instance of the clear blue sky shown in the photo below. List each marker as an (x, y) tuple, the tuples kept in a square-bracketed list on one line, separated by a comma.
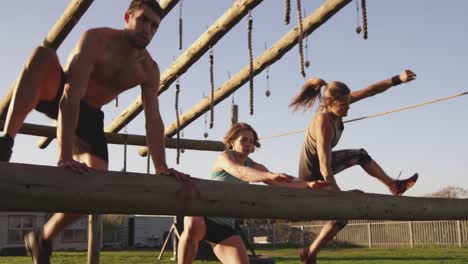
[(428, 37)]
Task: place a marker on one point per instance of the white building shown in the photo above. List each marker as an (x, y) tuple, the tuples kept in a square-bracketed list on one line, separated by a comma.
[(136, 231), (13, 227)]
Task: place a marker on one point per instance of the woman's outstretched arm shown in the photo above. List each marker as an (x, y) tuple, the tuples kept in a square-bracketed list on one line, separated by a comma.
[(248, 174), (380, 87)]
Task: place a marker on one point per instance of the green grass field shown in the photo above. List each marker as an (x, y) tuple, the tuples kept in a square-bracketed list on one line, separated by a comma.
[(282, 256)]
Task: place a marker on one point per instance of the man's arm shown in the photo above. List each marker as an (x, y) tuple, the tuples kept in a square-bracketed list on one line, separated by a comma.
[(382, 86), (81, 64), (154, 125), (155, 137)]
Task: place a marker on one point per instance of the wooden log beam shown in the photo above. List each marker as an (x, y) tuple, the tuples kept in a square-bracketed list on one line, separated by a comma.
[(208, 39), (270, 56), (167, 6), (66, 23), (54, 39), (36, 188), (120, 139)]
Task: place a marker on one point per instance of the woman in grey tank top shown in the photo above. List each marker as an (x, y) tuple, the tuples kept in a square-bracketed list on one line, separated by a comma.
[(319, 162)]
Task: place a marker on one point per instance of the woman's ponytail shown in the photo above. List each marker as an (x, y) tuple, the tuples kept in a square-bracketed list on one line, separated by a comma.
[(309, 93)]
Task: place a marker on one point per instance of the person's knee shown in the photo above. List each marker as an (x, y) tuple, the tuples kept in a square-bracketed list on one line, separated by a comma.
[(194, 228), (43, 56), (363, 157), (340, 224), (44, 53)]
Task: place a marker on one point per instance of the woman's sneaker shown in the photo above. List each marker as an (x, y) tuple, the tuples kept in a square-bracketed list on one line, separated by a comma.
[(306, 258), (401, 186)]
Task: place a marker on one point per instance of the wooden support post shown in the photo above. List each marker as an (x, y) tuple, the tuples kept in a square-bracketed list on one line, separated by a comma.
[(94, 238), (369, 234), (273, 54), (411, 239), (33, 188), (459, 236)]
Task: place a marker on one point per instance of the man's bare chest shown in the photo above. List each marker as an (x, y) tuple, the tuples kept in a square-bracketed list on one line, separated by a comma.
[(117, 75)]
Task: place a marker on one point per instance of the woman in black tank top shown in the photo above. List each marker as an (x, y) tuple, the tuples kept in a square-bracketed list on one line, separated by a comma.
[(319, 162)]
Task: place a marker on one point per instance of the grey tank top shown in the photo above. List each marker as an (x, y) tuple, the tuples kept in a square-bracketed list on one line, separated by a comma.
[(309, 168)]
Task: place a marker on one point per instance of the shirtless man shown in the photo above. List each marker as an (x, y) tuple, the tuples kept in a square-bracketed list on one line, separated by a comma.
[(104, 63)]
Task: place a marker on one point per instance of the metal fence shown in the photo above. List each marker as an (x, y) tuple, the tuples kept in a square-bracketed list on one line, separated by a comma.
[(366, 233)]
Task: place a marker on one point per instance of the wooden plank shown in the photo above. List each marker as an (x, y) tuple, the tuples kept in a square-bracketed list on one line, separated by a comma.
[(34, 188)]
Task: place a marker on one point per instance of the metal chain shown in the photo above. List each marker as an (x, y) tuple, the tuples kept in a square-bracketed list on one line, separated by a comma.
[(358, 26), (233, 98), (124, 169), (249, 29), (205, 135), (267, 92)]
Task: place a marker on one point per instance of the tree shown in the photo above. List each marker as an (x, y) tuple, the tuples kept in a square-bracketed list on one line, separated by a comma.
[(450, 192)]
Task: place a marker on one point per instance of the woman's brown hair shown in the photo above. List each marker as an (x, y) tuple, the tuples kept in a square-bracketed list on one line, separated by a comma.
[(310, 93), (234, 131)]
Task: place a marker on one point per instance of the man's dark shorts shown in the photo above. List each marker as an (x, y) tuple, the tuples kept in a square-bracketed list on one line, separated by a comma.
[(90, 128), (216, 232)]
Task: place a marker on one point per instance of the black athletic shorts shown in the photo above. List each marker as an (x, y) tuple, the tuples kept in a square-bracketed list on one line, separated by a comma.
[(216, 232), (90, 126)]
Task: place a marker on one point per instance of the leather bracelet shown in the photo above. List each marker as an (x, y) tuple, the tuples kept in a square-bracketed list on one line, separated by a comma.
[(396, 80)]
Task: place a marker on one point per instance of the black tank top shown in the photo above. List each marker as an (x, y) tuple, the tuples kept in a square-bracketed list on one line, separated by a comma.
[(309, 167)]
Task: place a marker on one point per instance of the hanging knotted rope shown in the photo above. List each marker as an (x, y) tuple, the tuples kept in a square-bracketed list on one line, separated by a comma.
[(182, 148), (180, 24), (251, 74), (178, 119), (117, 101), (287, 16), (358, 27), (212, 88), (301, 37), (364, 18), (307, 62)]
